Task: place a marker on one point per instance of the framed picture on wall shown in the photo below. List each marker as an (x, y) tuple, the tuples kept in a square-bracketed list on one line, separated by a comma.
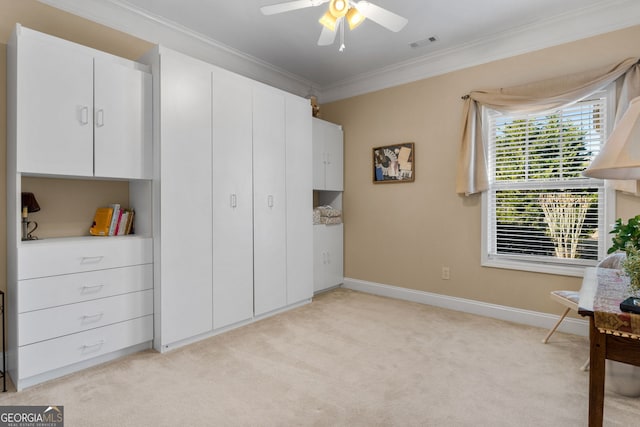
[(394, 163)]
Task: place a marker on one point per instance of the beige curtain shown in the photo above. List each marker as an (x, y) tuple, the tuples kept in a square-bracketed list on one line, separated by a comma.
[(536, 97)]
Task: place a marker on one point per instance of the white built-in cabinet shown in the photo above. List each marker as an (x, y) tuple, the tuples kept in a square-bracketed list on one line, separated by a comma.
[(80, 111), (182, 199), (328, 265), (328, 252), (74, 301), (328, 164), (232, 214), (269, 200), (233, 198)]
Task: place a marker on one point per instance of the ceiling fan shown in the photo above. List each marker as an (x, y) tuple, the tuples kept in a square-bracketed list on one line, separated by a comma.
[(339, 11)]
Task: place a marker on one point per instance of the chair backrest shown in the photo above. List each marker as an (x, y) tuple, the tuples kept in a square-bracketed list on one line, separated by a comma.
[(613, 260)]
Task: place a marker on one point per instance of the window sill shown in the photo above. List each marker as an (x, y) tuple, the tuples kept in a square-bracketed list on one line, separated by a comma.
[(536, 267)]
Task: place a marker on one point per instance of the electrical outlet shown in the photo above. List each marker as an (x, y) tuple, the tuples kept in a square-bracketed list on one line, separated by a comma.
[(445, 273)]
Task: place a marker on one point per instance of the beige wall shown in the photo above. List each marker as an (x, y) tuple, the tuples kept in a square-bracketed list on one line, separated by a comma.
[(396, 234), (402, 234), (67, 205)]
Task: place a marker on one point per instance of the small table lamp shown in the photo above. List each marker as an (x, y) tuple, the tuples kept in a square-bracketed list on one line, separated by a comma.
[(29, 205)]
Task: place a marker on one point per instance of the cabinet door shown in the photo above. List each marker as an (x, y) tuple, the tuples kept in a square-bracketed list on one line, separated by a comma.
[(334, 267), (319, 159), (333, 142), (299, 200), (122, 121), (270, 291), (54, 115), (185, 217), (232, 200), (319, 257), (328, 251)]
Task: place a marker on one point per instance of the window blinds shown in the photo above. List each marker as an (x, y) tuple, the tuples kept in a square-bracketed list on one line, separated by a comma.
[(541, 207)]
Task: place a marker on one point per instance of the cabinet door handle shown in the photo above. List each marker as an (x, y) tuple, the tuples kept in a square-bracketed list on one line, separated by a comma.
[(91, 259), (328, 257), (270, 201), (234, 201), (91, 288), (84, 115), (328, 158), (100, 118)]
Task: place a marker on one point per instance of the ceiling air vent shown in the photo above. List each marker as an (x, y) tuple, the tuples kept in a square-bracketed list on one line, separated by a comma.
[(424, 42)]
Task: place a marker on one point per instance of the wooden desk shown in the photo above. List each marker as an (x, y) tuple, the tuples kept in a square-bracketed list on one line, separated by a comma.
[(613, 334)]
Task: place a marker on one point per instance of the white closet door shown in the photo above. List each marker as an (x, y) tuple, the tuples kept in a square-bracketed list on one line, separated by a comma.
[(319, 155), (333, 141), (55, 127), (299, 200), (328, 268), (334, 274), (186, 307), (232, 200), (319, 257), (122, 121), (270, 287)]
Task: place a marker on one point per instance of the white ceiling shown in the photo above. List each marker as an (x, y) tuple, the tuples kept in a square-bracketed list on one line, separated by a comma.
[(468, 32)]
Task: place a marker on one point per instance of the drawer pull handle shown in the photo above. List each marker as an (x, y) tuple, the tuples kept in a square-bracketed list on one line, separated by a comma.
[(93, 347), (92, 317), (91, 288), (91, 259)]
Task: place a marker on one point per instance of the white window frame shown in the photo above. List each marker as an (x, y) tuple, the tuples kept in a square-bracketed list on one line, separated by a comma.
[(608, 205)]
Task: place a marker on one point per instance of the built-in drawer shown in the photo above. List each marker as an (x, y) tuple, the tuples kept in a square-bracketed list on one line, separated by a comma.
[(54, 257), (45, 292), (50, 323), (45, 356)]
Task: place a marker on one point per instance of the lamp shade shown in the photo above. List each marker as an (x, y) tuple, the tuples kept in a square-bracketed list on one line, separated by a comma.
[(29, 201), (354, 18), (620, 156), (329, 21)]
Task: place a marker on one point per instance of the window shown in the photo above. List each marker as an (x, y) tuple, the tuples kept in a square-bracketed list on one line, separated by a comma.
[(540, 213)]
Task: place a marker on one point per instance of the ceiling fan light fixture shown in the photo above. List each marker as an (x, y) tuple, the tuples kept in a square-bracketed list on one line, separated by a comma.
[(328, 21), (354, 18), (339, 8)]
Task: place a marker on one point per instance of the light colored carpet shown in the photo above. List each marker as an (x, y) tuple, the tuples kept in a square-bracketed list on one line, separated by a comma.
[(347, 359)]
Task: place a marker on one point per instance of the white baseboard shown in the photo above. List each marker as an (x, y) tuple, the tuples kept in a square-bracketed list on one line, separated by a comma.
[(511, 314)]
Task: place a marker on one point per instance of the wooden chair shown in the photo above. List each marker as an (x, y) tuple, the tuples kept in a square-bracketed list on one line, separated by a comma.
[(570, 299)]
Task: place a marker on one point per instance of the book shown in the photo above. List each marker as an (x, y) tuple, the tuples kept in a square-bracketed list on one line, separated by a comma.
[(118, 221), (115, 217), (101, 222), (122, 224), (129, 229)]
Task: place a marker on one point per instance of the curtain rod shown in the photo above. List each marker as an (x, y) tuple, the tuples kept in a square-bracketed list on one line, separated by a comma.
[(465, 97)]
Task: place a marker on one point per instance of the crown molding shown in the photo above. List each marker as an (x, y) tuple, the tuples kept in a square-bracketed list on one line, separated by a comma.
[(587, 22), (123, 16)]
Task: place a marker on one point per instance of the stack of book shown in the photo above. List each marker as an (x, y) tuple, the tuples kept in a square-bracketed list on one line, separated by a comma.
[(112, 221)]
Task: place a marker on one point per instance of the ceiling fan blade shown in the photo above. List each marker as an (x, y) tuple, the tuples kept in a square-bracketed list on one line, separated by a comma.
[(290, 5), (327, 37), (381, 16)]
